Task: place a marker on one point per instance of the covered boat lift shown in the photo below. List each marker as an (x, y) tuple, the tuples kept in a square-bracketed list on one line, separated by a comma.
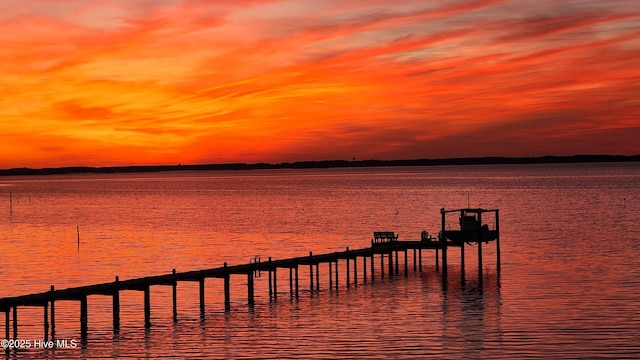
[(471, 230)]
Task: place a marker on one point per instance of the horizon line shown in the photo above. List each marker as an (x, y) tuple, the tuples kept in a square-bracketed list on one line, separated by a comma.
[(484, 160)]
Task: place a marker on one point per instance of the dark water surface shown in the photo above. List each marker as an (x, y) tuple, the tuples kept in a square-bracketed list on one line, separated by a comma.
[(568, 287)]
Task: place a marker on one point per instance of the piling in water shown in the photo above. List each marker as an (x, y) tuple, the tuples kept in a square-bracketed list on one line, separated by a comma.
[(252, 270)]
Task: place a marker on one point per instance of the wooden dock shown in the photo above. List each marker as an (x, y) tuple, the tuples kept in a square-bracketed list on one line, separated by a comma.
[(387, 251)]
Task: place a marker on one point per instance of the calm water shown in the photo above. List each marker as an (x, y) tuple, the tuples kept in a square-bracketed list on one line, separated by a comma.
[(568, 288)]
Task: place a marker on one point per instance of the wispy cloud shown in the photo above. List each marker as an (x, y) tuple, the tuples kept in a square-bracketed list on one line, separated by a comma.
[(114, 82)]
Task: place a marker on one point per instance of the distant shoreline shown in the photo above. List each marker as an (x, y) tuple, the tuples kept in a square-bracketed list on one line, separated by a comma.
[(324, 164)]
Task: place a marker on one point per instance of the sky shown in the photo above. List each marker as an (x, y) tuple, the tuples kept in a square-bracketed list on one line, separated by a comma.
[(143, 82)]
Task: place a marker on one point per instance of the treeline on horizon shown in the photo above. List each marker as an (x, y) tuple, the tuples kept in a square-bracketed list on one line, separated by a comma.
[(324, 164)]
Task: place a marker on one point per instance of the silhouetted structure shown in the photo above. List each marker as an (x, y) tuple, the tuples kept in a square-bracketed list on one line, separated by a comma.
[(385, 244)]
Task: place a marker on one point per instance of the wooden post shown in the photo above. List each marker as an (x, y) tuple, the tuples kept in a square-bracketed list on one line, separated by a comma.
[(480, 257), (7, 324), (330, 276), (443, 244), (227, 292), (480, 243), (420, 259), (498, 241), (46, 321), (415, 265), (147, 307), (270, 281), (462, 258), (297, 292), (291, 282), (355, 270), (372, 268), (275, 283), (202, 309), (174, 296), (116, 309), (382, 265), (348, 271), (337, 263), (84, 321), (53, 316), (390, 263), (15, 322), (310, 273), (250, 298), (318, 277)]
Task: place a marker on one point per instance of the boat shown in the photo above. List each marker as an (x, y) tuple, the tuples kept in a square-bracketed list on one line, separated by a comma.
[(471, 228)]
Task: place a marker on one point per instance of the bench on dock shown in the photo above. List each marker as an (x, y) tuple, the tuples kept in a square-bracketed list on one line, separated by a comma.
[(383, 237)]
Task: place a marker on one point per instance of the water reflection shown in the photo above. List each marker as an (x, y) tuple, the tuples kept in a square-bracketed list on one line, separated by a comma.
[(567, 287), (471, 313)]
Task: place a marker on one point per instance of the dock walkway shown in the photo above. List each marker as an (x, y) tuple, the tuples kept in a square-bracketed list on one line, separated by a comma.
[(387, 250)]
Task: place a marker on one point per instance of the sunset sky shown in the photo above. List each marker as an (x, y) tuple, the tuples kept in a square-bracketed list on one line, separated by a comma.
[(142, 82)]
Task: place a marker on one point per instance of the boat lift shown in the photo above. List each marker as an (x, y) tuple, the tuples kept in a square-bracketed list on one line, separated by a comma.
[(471, 230)]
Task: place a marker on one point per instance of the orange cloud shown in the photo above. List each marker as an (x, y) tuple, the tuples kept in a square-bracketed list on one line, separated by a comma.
[(111, 83)]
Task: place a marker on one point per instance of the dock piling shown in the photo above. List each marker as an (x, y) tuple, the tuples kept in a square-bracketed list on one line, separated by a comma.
[(202, 309), (46, 321), (116, 308), (174, 295), (15, 322), (275, 283), (147, 306), (227, 292), (348, 280), (53, 315), (270, 281), (462, 258), (330, 276), (498, 241), (415, 262), (355, 270), (310, 273), (372, 269), (250, 289), (291, 282), (7, 324), (47, 299), (480, 257), (84, 326), (443, 244), (297, 283)]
